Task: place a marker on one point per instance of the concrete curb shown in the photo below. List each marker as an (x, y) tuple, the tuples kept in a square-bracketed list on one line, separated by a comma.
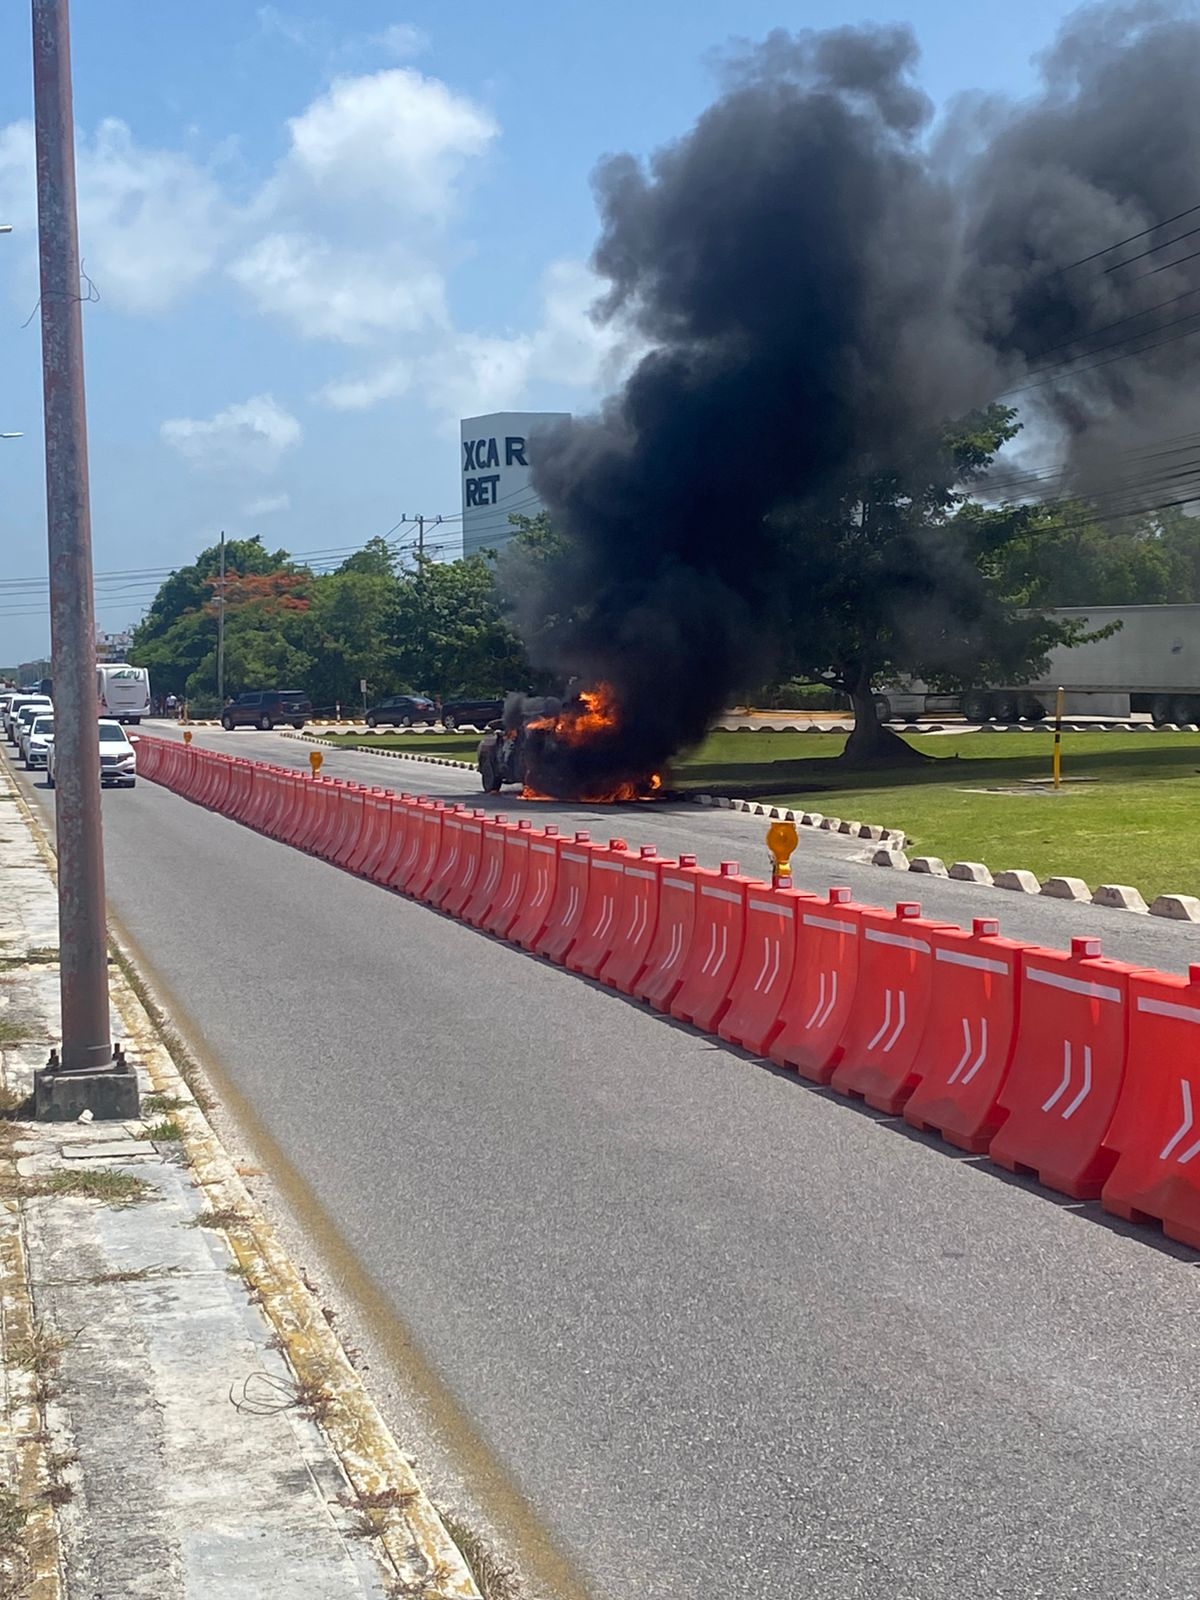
[(426, 1559)]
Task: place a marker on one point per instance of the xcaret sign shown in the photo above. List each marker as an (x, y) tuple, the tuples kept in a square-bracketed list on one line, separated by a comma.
[(498, 452)]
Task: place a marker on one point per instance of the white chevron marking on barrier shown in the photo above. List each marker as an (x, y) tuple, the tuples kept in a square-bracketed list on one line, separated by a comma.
[(1184, 1128), (982, 1056), (887, 1020), (1068, 1074)]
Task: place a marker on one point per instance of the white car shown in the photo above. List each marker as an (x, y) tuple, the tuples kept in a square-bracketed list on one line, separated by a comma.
[(16, 705), (35, 744), (118, 761), (24, 719)]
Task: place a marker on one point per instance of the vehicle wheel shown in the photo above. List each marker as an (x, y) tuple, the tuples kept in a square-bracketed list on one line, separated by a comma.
[(1004, 708), (975, 706), (1031, 709), (297, 726), (406, 722), (227, 723), (372, 721), (883, 708), (132, 784), (448, 721), (49, 780), (1160, 708), (136, 721), (265, 723), (1183, 709)]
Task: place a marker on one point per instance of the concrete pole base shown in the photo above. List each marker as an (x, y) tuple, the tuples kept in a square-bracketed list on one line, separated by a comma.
[(110, 1095)]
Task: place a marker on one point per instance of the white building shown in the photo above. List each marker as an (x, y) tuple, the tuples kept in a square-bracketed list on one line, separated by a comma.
[(497, 456)]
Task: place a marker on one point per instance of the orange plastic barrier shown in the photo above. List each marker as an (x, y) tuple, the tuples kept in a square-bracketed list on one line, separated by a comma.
[(718, 933), (376, 834), (218, 797), (446, 867), (353, 808), (319, 797), (240, 788), (1155, 1132), (491, 869), (329, 823), (470, 853), (1066, 1072), (969, 1036), (820, 997), (406, 866), (768, 955), (667, 958), (598, 924), (429, 851), (368, 823), (881, 1045), (637, 920), (403, 807), (499, 917), (570, 898), (287, 826), (540, 883)]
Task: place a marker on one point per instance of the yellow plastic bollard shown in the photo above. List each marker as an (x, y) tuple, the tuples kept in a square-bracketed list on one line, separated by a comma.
[(315, 759), (782, 840)]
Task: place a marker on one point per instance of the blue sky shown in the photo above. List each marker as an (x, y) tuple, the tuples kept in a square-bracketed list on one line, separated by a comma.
[(321, 233)]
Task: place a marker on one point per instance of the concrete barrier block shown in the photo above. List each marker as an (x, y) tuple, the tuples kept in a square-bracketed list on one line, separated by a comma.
[(1066, 889), (703, 799), (891, 858), (970, 872), (811, 819), (868, 831), (850, 827), (1119, 897), (831, 824), (1020, 879), (932, 866), (1179, 907)]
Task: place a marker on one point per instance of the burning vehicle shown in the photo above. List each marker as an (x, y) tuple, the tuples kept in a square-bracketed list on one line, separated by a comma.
[(572, 749)]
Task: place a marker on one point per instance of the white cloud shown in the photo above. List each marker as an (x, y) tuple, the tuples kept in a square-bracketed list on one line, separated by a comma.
[(403, 40), (336, 293), (250, 436), (266, 505), (352, 224), (360, 394), (151, 222), (469, 374)]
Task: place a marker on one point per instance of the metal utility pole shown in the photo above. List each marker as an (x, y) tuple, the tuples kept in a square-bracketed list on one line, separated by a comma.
[(221, 628), (83, 945)]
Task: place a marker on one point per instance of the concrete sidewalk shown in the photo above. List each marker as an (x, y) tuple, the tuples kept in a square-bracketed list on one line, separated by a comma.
[(178, 1419)]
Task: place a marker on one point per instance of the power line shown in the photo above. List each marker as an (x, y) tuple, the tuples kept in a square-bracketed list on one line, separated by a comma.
[(1120, 244)]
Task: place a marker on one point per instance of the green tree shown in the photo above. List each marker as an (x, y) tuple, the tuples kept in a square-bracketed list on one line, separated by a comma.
[(894, 574), (449, 634)]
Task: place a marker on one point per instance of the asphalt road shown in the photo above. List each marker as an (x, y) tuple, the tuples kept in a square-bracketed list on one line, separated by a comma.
[(734, 1338)]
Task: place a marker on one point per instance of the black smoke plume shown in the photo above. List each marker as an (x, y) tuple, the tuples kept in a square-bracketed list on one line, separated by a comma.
[(819, 283)]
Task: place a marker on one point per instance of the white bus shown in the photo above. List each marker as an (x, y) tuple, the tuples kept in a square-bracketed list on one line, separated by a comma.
[(123, 691)]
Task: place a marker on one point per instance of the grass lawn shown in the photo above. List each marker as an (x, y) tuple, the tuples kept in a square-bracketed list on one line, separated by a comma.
[(1128, 811)]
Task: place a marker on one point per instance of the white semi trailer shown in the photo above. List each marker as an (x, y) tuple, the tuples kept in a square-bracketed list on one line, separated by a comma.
[(1151, 663)]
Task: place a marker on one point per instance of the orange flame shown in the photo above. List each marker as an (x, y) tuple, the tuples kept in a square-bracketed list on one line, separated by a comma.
[(593, 714)]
